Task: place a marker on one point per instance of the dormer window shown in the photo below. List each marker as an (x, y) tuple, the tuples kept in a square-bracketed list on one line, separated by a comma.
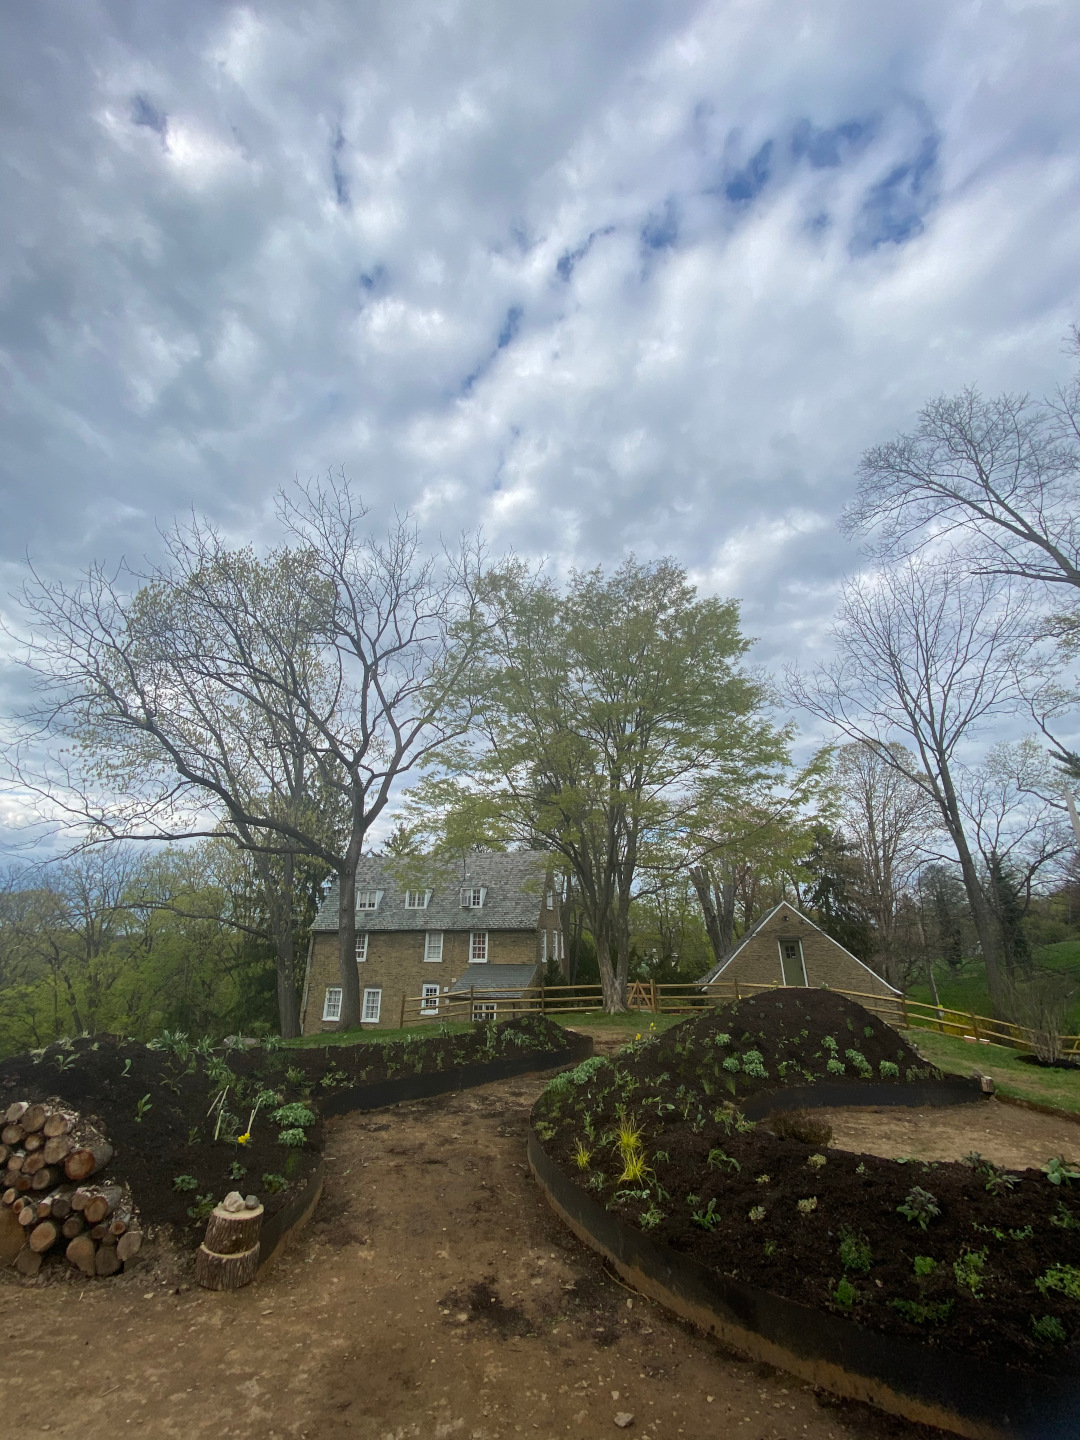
[(417, 899), (472, 897), (551, 899), (368, 899)]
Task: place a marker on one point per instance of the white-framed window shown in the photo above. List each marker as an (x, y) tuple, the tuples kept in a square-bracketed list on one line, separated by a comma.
[(484, 1010), (417, 899), (433, 947), (361, 947), (331, 1009), (543, 947), (551, 899), (472, 897), (562, 944), (429, 1002), (478, 947), (372, 1007), (368, 899)]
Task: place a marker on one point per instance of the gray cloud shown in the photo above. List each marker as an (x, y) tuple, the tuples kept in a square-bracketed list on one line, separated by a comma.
[(625, 275)]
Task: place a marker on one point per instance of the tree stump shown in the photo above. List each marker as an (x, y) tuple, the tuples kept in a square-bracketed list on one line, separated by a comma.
[(229, 1255), (225, 1272)]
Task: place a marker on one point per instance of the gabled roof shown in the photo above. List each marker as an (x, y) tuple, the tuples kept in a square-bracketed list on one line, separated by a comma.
[(504, 982), (760, 925), (514, 882)]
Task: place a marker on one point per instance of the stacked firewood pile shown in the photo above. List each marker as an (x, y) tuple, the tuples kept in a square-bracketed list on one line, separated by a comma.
[(47, 1154)]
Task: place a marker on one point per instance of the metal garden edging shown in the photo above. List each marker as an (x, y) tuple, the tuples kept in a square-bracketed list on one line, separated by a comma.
[(930, 1386)]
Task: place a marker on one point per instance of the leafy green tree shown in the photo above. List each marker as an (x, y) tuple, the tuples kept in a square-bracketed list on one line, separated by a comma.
[(602, 707)]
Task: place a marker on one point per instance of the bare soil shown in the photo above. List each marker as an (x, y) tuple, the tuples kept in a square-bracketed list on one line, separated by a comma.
[(1007, 1135), (433, 1295)]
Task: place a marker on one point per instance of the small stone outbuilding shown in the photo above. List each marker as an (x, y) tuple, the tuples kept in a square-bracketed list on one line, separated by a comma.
[(785, 948)]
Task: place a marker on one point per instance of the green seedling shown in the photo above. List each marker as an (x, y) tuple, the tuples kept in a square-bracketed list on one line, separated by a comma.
[(845, 1293), (860, 1169), (185, 1182), (582, 1156), (888, 1070), (969, 1271), (202, 1208), (718, 1160), (763, 1180), (142, 1107), (1063, 1218), (63, 1062), (817, 1161), (294, 1075), (707, 1218), (770, 1247), (861, 1064), (924, 1265), (855, 1251), (596, 1181), (274, 1182), (1049, 1329), (807, 1206), (1058, 1171), (835, 1067), (237, 1171), (920, 1207), (933, 1312), (1065, 1278), (757, 1213), (649, 1219)]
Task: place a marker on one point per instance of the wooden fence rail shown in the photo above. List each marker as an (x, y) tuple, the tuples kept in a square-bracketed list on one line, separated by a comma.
[(658, 999)]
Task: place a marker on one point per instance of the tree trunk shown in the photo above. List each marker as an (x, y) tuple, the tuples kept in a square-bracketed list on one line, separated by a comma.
[(702, 882), (350, 975), (225, 1272)]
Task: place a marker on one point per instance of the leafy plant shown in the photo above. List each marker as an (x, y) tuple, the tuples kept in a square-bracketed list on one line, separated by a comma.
[(835, 1066), (888, 1070), (274, 1182), (807, 1206), (1065, 1278), (203, 1207), (294, 1138), (855, 1253), (1063, 1218), (753, 1064), (596, 1181), (650, 1218), (924, 1265), (718, 1160), (845, 1293), (1048, 1328), (770, 1247), (1058, 1170), (763, 1180), (756, 1213), (237, 1171), (919, 1312), (294, 1075), (817, 1161), (920, 1207), (142, 1107), (292, 1115), (707, 1218), (64, 1062), (969, 1271), (861, 1064), (185, 1182)]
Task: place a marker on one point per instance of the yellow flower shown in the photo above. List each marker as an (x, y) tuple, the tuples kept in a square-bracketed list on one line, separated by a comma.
[(243, 1139), (638, 1035)]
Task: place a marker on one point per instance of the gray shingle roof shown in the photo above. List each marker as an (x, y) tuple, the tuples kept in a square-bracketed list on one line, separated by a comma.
[(496, 981), (514, 883)]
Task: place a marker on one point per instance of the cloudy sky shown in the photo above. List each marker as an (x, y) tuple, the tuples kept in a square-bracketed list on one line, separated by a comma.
[(599, 277)]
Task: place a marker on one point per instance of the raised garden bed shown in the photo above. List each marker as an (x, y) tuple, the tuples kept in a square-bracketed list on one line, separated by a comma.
[(978, 1266), (187, 1124)]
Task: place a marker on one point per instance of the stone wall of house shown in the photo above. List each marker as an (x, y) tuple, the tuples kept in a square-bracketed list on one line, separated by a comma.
[(395, 964), (827, 963)]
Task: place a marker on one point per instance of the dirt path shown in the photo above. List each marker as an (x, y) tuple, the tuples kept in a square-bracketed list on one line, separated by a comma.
[(434, 1295), (1006, 1134)]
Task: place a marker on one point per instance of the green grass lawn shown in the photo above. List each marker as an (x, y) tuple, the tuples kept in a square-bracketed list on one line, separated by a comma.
[(1060, 1088), (365, 1035), (966, 989), (630, 1023)]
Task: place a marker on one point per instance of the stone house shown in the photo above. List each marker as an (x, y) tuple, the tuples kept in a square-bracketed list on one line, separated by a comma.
[(785, 948), (427, 929)]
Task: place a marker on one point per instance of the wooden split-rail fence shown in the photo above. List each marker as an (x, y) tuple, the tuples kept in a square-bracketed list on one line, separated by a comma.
[(649, 997)]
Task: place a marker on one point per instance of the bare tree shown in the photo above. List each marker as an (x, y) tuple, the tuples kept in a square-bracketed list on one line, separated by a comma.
[(925, 654), (273, 702), (887, 817)]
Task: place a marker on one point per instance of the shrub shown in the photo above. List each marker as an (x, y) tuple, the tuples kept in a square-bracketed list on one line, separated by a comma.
[(888, 1070), (1039, 1006), (294, 1138), (801, 1125), (294, 1115), (855, 1251), (920, 1207)]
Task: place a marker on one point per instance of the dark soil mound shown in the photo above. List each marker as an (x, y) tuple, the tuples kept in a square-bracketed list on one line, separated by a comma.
[(152, 1105), (787, 1038), (656, 1137), (334, 1067)]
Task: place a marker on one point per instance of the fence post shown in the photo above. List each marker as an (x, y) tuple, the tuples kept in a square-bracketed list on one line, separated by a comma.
[(904, 1011), (975, 1026), (652, 995), (542, 1001)]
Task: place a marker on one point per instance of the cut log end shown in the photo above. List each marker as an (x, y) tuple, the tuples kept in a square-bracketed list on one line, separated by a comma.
[(81, 1252), (129, 1244), (28, 1262), (225, 1272)]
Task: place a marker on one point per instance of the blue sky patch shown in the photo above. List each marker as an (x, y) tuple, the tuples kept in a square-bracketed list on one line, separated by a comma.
[(895, 209), (827, 148), (660, 231), (341, 181), (566, 262), (144, 112), (748, 182)]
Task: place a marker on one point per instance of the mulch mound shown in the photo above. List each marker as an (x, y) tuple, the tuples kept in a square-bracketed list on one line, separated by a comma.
[(994, 1272)]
